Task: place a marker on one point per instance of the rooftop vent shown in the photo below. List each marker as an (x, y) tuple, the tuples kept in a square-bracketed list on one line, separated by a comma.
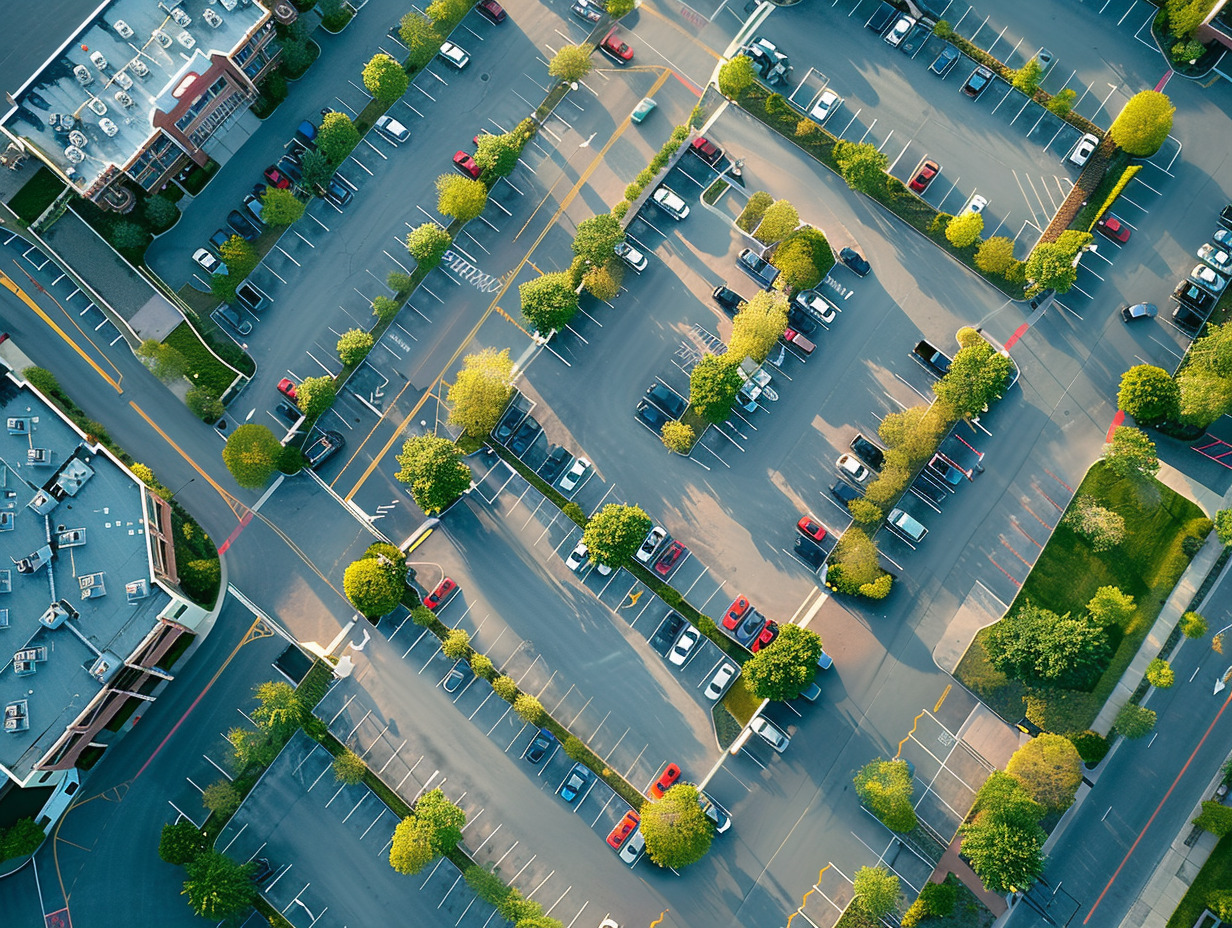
[(98, 107), (39, 457), (19, 426), (24, 668), (125, 30), (57, 614), (98, 60), (123, 81), (32, 563), (123, 99), (182, 19), (228, 5), (78, 138), (137, 66), (16, 716), (74, 154), (32, 655), (74, 476), (93, 586), (109, 128), (212, 18), (71, 538), (6, 581), (4, 618), (105, 667), (162, 38), (186, 39), (136, 590), (83, 75), (7, 521)]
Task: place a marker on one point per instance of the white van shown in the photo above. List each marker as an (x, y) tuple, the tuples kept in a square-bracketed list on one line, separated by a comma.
[(905, 525)]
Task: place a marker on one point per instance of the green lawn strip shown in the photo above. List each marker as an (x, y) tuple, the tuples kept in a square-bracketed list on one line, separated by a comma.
[(38, 193), (270, 914), (726, 727), (854, 916), (740, 701), (1101, 198), (205, 370), (1146, 565), (1215, 875)]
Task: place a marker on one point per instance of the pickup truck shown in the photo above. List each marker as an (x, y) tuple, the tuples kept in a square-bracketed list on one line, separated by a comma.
[(758, 268), (932, 357)]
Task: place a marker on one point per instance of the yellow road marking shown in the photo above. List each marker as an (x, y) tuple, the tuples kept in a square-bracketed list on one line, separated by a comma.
[(812, 889), (38, 310), (662, 915), (235, 505), (492, 307), (914, 723), (633, 598), (944, 693)]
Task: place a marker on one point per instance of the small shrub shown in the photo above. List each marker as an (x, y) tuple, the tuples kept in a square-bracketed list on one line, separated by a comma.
[(1215, 818), (529, 708), (1191, 545), (1159, 674), (1134, 721), (457, 644), (1193, 625), (221, 797), (482, 666), (487, 885), (1092, 746), (349, 768), (200, 579)]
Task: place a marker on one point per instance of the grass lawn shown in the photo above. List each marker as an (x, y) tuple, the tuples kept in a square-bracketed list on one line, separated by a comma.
[(740, 701), (1215, 875), (1146, 565), (204, 368), (36, 195)]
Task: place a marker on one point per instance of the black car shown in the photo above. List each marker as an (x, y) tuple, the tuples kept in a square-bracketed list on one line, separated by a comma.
[(810, 552), (525, 436), (586, 11), (844, 492), (1193, 296), (220, 238), (324, 448), (244, 227), (729, 300), (233, 320), (1187, 319), (666, 400), (555, 465), (651, 416), (866, 450), (1139, 311), (291, 167), (338, 194), (854, 260), (758, 268), (929, 490), (750, 628), (262, 870), (540, 746), (509, 421), (978, 82), (885, 14), (801, 321), (667, 633)]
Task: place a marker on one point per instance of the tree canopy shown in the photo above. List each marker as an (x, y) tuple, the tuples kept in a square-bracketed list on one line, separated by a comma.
[(885, 787), (480, 391), (736, 76), (976, 378), (571, 63), (497, 155), (434, 470), (785, 668), (1148, 394), (385, 79), (1131, 453), (281, 207), (217, 887), (371, 588), (804, 257), (964, 230), (1143, 123), (337, 137), (1005, 857), (876, 889), (251, 454), (314, 395), (427, 244), (549, 301), (777, 222), (862, 165), (597, 238), (460, 197), (615, 532), (713, 385), (1049, 769), (758, 326), (676, 830), (1034, 644), (354, 345), (420, 36)]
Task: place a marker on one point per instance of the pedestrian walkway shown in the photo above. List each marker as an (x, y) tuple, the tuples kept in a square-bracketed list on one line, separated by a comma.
[(952, 863)]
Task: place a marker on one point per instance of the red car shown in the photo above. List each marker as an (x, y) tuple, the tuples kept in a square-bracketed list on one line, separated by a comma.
[(670, 774), (287, 388), (670, 558), (706, 150), (277, 178), (735, 612), (811, 528), (768, 634), (924, 175), (491, 11), (443, 591), (1113, 228), (616, 49), (466, 164), (623, 829)]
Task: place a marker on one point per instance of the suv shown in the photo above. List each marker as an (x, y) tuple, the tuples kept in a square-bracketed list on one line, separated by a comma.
[(666, 400), (903, 524), (758, 268), (540, 746), (706, 150), (770, 733), (251, 296), (977, 83), (667, 633), (324, 448), (1193, 296), (233, 319), (870, 453), (730, 300), (491, 11), (932, 357), (242, 226), (668, 201)]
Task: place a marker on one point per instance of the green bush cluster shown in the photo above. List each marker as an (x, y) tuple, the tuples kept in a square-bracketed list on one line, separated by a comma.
[(936, 900), (1092, 747), (657, 163), (23, 837)]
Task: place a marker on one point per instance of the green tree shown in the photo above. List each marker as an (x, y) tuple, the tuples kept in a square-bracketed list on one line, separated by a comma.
[(1134, 721), (161, 213), (125, 234), (615, 532), (385, 308), (240, 257), (280, 710), (1049, 769), (251, 455), (1003, 856), (315, 395), (1143, 123), (411, 849), (549, 301), (182, 842), (758, 326), (1148, 394), (1049, 267), (1215, 818), (460, 197), (713, 385), (618, 8), (373, 590), (497, 155), (1062, 101), (217, 887), (1109, 606), (427, 244), (571, 63), (442, 818), (434, 470), (505, 687), (1027, 78), (385, 79), (779, 221), (480, 391), (854, 564), (885, 787), (251, 747), (482, 666), (296, 54), (600, 281), (1036, 644), (349, 768), (785, 669), (1204, 396), (457, 644), (1159, 674), (1003, 798), (996, 255), (447, 12), (861, 165), (676, 830), (399, 283), (353, 346), (678, 437), (1102, 527), (486, 885), (221, 797), (1131, 453), (337, 137), (597, 238), (281, 207), (876, 889), (736, 76), (316, 170), (753, 210), (804, 258), (421, 38), (976, 378), (204, 404), (964, 230), (164, 362), (1193, 625)]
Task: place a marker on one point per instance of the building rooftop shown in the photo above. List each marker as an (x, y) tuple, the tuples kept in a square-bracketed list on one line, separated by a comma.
[(90, 107), (77, 587)]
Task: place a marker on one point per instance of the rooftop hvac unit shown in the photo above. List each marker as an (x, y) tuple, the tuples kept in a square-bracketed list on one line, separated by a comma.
[(136, 590), (92, 586), (162, 38), (78, 138), (109, 128), (137, 66), (123, 99), (38, 457), (98, 107), (181, 18), (123, 81), (19, 425), (24, 668), (185, 38), (105, 666), (33, 655), (83, 75), (8, 520), (98, 60), (228, 5), (124, 29), (212, 18), (74, 154), (57, 614), (71, 538), (16, 717)]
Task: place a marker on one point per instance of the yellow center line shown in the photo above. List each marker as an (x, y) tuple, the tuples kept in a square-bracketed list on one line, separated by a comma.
[(38, 310), (492, 307), (944, 693), (235, 505)]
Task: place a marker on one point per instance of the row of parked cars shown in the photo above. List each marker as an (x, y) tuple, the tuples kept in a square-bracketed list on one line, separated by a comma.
[(1197, 295)]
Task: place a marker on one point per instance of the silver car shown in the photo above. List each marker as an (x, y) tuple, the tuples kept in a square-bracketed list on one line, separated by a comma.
[(671, 203), (632, 257), (770, 733), (453, 55), (826, 104), (722, 677)]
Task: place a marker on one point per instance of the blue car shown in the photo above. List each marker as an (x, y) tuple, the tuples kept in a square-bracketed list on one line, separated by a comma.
[(577, 780), (540, 746)]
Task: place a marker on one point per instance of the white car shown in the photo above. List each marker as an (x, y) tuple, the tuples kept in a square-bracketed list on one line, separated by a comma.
[(1083, 150), (633, 848), (671, 204), (1215, 257), (849, 466), (570, 479), (631, 256), (684, 646), (899, 30), (770, 733), (1204, 277), (975, 205), (655, 537), (208, 263), (826, 105), (453, 55), (718, 683), (577, 557), (392, 129), (817, 305)]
